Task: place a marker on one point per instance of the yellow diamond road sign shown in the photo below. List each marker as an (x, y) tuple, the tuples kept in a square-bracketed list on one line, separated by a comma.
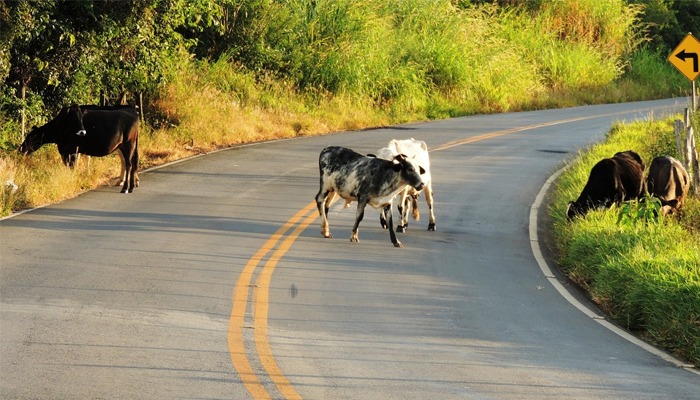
[(685, 57)]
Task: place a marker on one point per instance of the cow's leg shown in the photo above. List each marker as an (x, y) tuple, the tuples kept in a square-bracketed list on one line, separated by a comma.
[(329, 201), (127, 168), (403, 212), (402, 206), (122, 175), (428, 190), (414, 205), (390, 222), (69, 159), (359, 214), (382, 218), (66, 158), (321, 204), (134, 168)]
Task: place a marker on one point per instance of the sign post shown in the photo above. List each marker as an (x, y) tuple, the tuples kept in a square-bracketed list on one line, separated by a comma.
[(685, 59)]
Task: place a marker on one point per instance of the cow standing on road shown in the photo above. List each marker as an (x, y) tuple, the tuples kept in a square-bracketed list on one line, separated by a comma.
[(417, 152), (612, 181), (92, 131), (669, 182), (367, 180)]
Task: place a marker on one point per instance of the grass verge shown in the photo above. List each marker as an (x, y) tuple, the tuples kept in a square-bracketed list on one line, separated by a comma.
[(645, 273)]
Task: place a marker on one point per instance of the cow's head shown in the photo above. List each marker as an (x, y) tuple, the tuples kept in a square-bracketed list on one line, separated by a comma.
[(669, 207), (410, 173), (580, 208), (575, 209), (34, 140), (69, 121)]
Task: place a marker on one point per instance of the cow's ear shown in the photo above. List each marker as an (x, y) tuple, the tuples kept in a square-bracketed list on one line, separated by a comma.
[(421, 170)]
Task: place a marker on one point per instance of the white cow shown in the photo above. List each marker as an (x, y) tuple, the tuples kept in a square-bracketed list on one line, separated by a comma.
[(415, 151)]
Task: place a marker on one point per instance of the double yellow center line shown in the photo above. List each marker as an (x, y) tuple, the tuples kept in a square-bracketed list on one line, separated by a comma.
[(278, 245), (259, 308)]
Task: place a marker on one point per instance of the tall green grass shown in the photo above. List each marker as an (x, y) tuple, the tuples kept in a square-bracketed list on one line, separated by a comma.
[(645, 274)]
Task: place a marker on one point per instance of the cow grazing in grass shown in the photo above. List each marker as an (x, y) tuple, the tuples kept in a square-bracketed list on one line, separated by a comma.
[(92, 131), (669, 182), (365, 179), (417, 152), (611, 181)]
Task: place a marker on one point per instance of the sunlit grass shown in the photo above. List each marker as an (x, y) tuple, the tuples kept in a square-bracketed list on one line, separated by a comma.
[(646, 275)]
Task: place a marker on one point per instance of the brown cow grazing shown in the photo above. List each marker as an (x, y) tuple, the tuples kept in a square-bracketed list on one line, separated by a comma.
[(92, 131), (669, 182), (612, 181)]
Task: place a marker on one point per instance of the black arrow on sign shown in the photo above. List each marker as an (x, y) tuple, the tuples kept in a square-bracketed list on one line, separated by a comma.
[(683, 56)]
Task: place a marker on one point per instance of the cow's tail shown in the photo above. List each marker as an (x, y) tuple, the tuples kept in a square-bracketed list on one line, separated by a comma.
[(135, 159)]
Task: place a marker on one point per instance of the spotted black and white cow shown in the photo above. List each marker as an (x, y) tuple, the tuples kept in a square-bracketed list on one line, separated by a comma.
[(611, 181), (669, 182), (417, 152), (365, 179)]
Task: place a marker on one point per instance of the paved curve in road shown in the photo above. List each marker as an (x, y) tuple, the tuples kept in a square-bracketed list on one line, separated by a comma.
[(212, 281)]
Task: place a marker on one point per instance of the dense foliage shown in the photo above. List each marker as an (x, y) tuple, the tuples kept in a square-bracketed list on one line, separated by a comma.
[(55, 52)]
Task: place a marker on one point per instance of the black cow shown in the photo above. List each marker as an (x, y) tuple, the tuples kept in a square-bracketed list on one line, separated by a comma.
[(612, 181), (93, 131), (123, 176), (669, 182), (367, 180)]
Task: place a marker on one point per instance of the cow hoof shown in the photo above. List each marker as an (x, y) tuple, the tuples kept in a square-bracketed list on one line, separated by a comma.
[(431, 227), (398, 244), (384, 225), (401, 228), (355, 240), (328, 236)]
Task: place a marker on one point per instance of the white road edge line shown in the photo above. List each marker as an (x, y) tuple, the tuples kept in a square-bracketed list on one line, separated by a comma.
[(547, 271)]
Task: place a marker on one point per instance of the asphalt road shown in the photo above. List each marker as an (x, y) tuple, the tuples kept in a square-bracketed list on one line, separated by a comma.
[(212, 281)]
